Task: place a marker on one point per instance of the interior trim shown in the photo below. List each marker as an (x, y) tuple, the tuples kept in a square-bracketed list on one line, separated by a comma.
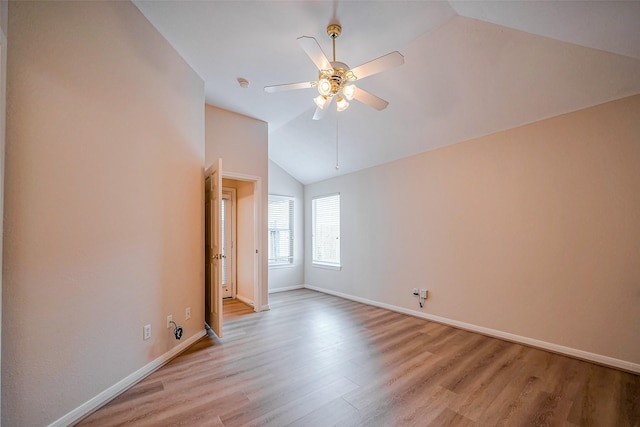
[(124, 384), (286, 288), (567, 351), (245, 300)]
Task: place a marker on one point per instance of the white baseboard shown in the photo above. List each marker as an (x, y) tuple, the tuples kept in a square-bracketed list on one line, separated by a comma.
[(250, 302), (568, 351), (244, 300), (284, 289), (124, 384)]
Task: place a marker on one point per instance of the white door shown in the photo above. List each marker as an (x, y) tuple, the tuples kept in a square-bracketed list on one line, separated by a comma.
[(213, 248)]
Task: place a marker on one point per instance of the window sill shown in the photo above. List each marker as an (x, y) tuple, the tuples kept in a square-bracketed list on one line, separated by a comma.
[(287, 265), (326, 266)]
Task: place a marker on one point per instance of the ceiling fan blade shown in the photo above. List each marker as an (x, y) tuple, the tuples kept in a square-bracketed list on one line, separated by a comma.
[(370, 99), (378, 65), (289, 86), (313, 49), (321, 112)]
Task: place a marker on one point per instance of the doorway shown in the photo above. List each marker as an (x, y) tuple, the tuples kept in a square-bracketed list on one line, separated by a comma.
[(229, 231), (246, 246), (244, 210)]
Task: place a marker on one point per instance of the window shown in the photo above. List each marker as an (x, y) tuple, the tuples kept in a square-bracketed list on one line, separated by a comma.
[(280, 230), (325, 217)]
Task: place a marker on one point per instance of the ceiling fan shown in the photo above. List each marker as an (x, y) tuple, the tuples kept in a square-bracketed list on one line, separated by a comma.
[(336, 79)]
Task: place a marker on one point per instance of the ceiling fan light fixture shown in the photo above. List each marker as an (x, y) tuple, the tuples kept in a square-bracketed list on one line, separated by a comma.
[(324, 86), (342, 104), (349, 91), (320, 101), (335, 78)]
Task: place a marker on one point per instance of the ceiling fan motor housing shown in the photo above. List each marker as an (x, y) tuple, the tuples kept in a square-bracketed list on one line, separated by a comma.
[(334, 30), (338, 78)]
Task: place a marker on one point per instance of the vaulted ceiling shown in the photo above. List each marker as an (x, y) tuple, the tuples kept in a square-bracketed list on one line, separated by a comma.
[(471, 68)]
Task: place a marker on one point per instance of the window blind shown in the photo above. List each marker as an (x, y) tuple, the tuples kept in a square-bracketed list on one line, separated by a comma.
[(280, 224), (325, 212)]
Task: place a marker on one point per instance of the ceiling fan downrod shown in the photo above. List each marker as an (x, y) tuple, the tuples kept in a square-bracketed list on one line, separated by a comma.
[(333, 31), (334, 82)]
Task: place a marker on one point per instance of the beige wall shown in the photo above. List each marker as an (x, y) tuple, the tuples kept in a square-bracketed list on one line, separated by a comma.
[(242, 143), (246, 250), (103, 205), (533, 231)]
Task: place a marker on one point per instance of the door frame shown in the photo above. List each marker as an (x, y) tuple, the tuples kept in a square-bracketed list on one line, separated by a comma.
[(4, 9), (257, 232)]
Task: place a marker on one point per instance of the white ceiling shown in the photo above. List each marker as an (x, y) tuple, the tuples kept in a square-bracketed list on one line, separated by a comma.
[(471, 68)]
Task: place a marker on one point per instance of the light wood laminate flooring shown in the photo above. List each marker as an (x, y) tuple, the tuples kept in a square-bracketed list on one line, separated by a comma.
[(319, 360)]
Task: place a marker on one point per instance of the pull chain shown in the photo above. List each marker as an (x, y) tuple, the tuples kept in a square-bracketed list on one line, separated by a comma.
[(337, 151)]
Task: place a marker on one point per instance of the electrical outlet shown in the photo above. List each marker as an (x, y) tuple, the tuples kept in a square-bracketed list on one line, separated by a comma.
[(146, 332), (415, 291), (169, 320), (423, 293), (187, 313)]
